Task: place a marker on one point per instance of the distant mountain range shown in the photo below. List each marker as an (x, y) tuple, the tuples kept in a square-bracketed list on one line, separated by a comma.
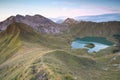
[(42, 24), (100, 18), (95, 18)]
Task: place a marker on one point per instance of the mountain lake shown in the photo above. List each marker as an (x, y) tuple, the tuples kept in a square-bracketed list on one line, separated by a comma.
[(98, 42)]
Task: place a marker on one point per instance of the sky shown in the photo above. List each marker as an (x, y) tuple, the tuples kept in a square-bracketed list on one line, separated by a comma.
[(58, 8)]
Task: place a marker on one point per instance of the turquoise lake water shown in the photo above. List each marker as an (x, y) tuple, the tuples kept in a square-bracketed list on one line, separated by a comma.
[(99, 42)]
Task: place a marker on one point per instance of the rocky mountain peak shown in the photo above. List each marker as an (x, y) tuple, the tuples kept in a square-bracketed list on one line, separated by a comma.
[(39, 16), (37, 22), (70, 21), (19, 16), (10, 18)]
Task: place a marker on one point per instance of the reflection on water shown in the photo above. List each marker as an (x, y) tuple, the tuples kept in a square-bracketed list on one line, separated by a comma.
[(79, 44)]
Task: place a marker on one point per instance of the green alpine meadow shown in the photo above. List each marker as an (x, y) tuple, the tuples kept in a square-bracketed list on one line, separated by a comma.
[(59, 40)]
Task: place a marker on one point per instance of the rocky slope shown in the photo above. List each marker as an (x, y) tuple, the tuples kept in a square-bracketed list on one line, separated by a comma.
[(37, 22), (70, 21)]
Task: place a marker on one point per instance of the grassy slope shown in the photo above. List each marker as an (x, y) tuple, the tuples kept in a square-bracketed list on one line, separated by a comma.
[(42, 57), (9, 42), (28, 41), (104, 29), (35, 62), (17, 33), (82, 68)]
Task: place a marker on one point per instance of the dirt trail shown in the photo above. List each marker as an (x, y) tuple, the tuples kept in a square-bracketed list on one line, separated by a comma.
[(27, 55)]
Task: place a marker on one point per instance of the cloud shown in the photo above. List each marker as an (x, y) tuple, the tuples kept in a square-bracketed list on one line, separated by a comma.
[(106, 9), (67, 8), (73, 12)]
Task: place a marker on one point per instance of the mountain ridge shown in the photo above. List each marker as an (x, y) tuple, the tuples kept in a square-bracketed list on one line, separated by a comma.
[(45, 26), (37, 22)]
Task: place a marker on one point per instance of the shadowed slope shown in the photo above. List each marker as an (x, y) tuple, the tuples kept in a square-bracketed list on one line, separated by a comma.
[(12, 38), (9, 42)]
